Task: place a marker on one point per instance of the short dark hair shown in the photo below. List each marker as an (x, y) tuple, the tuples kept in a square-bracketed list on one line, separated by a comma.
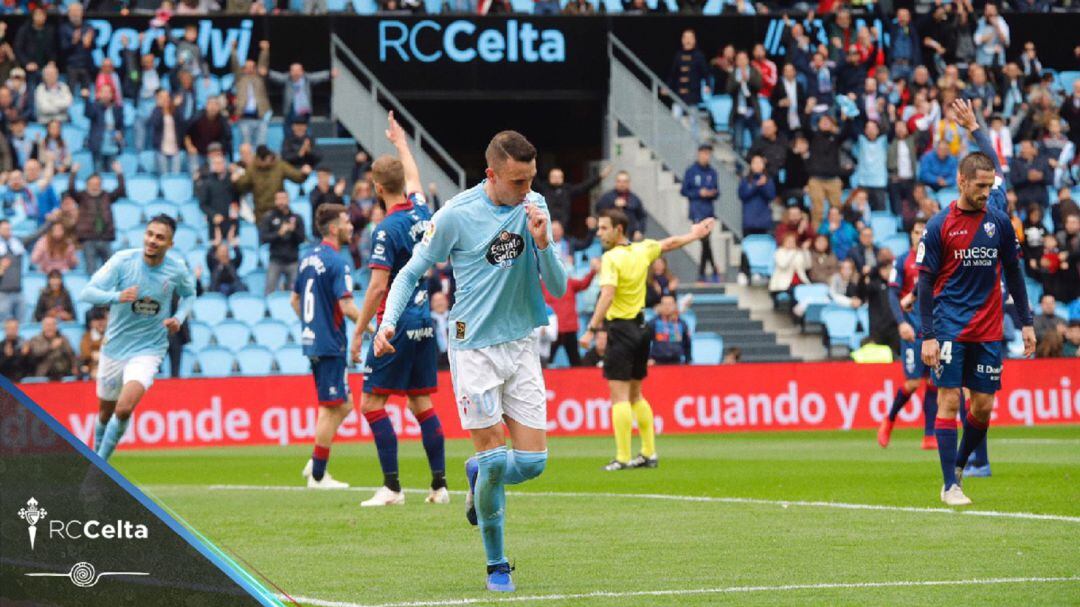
[(975, 161), (918, 219), (262, 152), (327, 214), (509, 145), (165, 220), (617, 218)]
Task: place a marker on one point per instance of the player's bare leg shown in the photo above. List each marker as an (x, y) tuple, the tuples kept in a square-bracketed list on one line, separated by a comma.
[(105, 413), (431, 434), (373, 407), (326, 426), (643, 415), (130, 395)]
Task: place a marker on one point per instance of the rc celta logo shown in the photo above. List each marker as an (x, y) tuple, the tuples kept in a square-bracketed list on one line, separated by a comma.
[(32, 514), (77, 530), (461, 43)]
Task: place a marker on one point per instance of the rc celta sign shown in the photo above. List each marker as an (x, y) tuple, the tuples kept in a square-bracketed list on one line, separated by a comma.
[(463, 41)]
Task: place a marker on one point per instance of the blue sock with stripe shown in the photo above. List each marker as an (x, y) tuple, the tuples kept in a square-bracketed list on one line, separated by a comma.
[(524, 465), (99, 432), (431, 434), (114, 431), (382, 429), (490, 500), (945, 431), (898, 403), (982, 458), (929, 410)]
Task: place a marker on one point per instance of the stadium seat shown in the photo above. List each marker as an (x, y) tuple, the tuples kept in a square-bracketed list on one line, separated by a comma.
[(196, 258), (176, 188), (884, 226), (275, 136), (216, 362), (811, 293), (187, 362), (159, 207), (945, 196), (249, 237), (74, 136), (247, 307), (256, 282), (232, 334), (255, 360), (302, 208), (706, 348), (273, 334), (75, 281), (129, 162), (201, 333), (296, 329), (759, 249), (133, 236), (279, 303), (291, 361), (126, 215), (148, 162), (73, 333), (897, 243), (32, 284), (186, 238), (839, 326), (85, 160), (211, 308), (142, 188), (250, 262), (1066, 79), (719, 107), (192, 214), (29, 329)]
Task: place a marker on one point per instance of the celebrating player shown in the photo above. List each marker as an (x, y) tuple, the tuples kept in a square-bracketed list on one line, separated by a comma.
[(623, 338), (497, 236), (138, 287), (963, 253), (322, 298), (901, 299), (411, 369)]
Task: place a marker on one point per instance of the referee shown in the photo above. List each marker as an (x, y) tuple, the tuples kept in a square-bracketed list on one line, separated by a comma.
[(619, 328)]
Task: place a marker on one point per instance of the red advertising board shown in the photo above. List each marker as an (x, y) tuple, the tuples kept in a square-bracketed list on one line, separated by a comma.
[(698, 399)]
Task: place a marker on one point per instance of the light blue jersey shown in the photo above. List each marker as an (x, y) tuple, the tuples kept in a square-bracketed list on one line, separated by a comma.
[(136, 327), (497, 268)]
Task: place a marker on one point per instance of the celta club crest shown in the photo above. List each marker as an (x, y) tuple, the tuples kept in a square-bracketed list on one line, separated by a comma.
[(990, 228), (32, 514)]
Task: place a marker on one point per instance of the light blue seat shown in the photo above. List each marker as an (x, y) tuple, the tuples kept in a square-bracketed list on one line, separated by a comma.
[(73, 333), (273, 334), (811, 293), (897, 243), (249, 237), (76, 281), (126, 215), (85, 160), (196, 258), (275, 136), (32, 284), (206, 88), (232, 334), (839, 326), (1066, 78), (707, 348), (291, 361), (719, 107), (759, 249), (74, 136), (211, 308), (176, 188), (161, 207), (142, 188), (186, 238), (279, 303), (187, 362), (201, 333), (248, 308), (255, 360), (215, 361), (250, 262), (884, 226), (134, 236), (296, 329), (302, 208), (129, 161), (946, 195), (148, 162), (256, 282), (192, 214), (28, 330)]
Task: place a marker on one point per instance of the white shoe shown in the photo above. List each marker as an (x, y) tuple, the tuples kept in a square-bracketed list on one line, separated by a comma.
[(327, 482), (385, 497), (438, 496), (307, 470), (742, 279), (954, 496)]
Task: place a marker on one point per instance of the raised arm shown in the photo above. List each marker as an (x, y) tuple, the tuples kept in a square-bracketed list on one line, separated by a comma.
[(697, 232), (396, 135)]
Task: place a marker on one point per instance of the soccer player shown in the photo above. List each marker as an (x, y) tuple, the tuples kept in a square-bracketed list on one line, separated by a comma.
[(138, 286), (411, 369), (497, 236), (901, 299), (322, 298), (962, 255), (619, 328)]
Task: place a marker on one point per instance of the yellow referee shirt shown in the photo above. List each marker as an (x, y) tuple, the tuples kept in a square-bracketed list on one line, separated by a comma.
[(626, 267)]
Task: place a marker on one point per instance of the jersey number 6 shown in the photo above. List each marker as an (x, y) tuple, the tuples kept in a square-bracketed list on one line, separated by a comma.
[(309, 301)]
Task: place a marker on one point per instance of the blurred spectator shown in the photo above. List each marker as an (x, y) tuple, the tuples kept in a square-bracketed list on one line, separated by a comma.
[(1070, 348), (49, 354), (795, 221), (1050, 345), (35, 44), (22, 144), (901, 160), (1034, 233), (6, 157), (225, 271), (52, 98), (560, 195), (298, 148), (265, 178), (55, 251), (660, 281), (566, 311), (12, 361), (852, 71), (29, 194), (578, 7), (700, 186), (856, 209), (688, 72), (844, 286), (905, 46), (143, 76), (52, 150), (732, 355), (756, 191), (546, 336), (1068, 239), (864, 254), (92, 340), (166, 129), (1047, 321), (767, 69), (217, 196), (105, 139), (283, 230), (796, 177), (252, 104), (22, 96), (842, 235), (1070, 112), (628, 202), (440, 318), (12, 250), (95, 230), (980, 91), (189, 57), (773, 147), (54, 301), (791, 264), (937, 167), (324, 193), (361, 167), (296, 90), (76, 39), (1001, 139), (669, 334), (1061, 211), (1030, 173), (209, 126), (788, 99), (823, 264), (823, 166), (871, 171), (107, 77), (820, 87), (743, 85), (1054, 266), (991, 38), (874, 290), (184, 97)]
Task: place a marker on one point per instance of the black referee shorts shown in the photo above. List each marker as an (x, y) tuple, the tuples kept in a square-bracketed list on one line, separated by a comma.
[(627, 354)]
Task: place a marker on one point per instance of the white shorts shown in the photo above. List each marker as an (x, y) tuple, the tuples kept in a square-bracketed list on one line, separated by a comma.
[(504, 379), (113, 374)]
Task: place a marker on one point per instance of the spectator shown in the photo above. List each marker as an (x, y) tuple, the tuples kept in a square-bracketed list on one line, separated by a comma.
[(107, 77), (566, 313), (265, 177), (184, 97), (688, 72), (52, 98), (756, 191), (560, 195), (773, 147), (937, 168), (669, 335), (1030, 173), (874, 290), (166, 129), (1050, 345), (6, 156), (142, 79), (324, 193), (1070, 112), (795, 221), (842, 235), (991, 38), (732, 355), (1001, 139), (626, 201), (905, 49), (217, 196), (852, 72), (76, 47), (298, 148), (865, 254), (225, 272), (22, 145), (12, 250), (1061, 211), (283, 230), (1070, 349), (440, 319), (871, 170), (791, 264), (29, 194), (980, 91), (1047, 321), (189, 57), (22, 96), (49, 354), (901, 163), (823, 166), (1068, 239), (52, 150), (660, 281), (54, 301), (209, 126), (788, 99), (819, 88), (1034, 232), (796, 178), (94, 229), (743, 85), (252, 105), (12, 361), (844, 286), (105, 139), (296, 96), (92, 340), (823, 264), (856, 209), (1054, 266), (566, 246), (701, 187), (55, 251), (35, 44)]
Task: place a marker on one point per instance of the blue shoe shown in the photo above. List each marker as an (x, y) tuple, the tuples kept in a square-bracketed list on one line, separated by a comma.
[(973, 471), (498, 579), (472, 470)]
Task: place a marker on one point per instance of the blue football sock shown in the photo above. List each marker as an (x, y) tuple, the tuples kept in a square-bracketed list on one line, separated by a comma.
[(974, 436), (99, 432), (114, 431), (386, 443), (431, 434), (491, 502), (319, 457), (945, 431), (929, 410), (898, 403), (523, 465), (982, 457)]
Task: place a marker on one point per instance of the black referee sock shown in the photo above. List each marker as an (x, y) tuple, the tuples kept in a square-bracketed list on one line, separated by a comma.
[(438, 480)]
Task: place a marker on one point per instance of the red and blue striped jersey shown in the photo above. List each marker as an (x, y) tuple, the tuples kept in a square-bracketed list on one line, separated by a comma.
[(323, 280), (904, 280), (392, 246)]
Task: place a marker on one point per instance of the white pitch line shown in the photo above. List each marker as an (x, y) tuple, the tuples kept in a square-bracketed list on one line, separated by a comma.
[(1038, 441), (724, 590), (707, 499)]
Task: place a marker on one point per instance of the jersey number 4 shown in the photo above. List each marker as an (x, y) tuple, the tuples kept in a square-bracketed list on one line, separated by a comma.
[(309, 301), (946, 352)]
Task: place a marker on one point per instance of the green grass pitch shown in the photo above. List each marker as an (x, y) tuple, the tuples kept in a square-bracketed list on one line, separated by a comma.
[(575, 531)]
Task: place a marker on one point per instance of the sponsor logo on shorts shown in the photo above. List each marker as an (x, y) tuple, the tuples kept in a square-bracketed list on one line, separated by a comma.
[(420, 334), (504, 249)]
